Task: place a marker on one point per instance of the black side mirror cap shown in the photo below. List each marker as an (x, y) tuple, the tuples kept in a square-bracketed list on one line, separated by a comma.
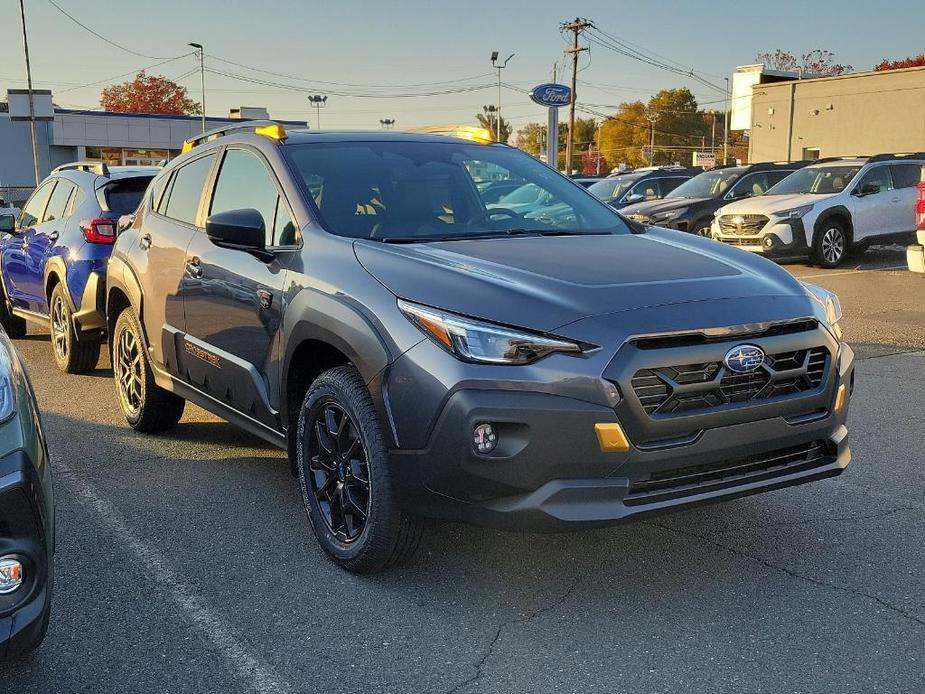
[(7, 223), (240, 230)]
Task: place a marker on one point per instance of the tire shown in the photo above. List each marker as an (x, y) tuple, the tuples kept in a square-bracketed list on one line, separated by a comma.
[(831, 244), (702, 229), (147, 407), (72, 354), (14, 326), (338, 441)]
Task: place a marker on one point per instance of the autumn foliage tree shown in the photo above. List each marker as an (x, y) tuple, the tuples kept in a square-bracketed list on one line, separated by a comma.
[(914, 61), (817, 62), (149, 94)]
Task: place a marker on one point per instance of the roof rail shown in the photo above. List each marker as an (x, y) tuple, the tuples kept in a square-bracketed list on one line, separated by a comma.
[(97, 167), (270, 128), (897, 155)]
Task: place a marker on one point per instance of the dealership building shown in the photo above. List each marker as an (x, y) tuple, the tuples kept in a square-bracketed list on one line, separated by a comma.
[(113, 138), (854, 114)]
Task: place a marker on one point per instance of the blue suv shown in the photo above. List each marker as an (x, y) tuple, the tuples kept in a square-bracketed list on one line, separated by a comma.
[(53, 258)]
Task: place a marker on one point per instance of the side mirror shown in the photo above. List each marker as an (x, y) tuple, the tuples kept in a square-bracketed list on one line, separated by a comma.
[(868, 189), (7, 223), (240, 230), (635, 197)]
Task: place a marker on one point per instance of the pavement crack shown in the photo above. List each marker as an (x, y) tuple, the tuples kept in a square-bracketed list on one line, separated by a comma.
[(834, 519), (522, 619), (792, 574)]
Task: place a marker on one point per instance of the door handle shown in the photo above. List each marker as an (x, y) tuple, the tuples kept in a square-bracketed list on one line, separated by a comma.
[(144, 243), (194, 267), (53, 236)]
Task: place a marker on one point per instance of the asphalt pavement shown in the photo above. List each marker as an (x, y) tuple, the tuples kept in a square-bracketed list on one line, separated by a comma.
[(185, 563)]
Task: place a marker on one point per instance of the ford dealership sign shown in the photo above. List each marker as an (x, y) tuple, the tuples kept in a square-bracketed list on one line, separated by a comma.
[(552, 95)]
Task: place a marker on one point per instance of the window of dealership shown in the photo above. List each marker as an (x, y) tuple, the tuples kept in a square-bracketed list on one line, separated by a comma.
[(123, 156)]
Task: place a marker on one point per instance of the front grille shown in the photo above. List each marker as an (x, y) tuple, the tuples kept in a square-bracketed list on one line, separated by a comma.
[(672, 390), (698, 479), (637, 217), (742, 224), (744, 243)]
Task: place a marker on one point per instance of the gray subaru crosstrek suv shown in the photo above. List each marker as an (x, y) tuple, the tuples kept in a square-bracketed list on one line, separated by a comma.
[(351, 298)]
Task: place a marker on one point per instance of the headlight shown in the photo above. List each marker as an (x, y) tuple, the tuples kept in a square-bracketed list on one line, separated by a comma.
[(7, 392), (670, 214), (829, 302), (794, 212), (483, 343)]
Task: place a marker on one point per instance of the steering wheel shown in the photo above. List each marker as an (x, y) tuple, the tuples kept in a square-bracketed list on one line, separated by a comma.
[(489, 213)]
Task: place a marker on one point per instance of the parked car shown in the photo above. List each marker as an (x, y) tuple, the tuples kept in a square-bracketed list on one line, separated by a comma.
[(827, 209), (587, 181), (27, 517), (648, 183), (53, 265), (430, 356), (690, 206), (915, 253)]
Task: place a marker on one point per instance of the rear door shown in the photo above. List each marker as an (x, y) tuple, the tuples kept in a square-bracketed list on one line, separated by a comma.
[(872, 210), (159, 257), (233, 300), (15, 247), (905, 195), (40, 241)]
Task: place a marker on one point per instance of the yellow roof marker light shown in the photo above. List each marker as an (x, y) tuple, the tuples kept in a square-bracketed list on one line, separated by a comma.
[(274, 132), (475, 134), (187, 146), (463, 132)]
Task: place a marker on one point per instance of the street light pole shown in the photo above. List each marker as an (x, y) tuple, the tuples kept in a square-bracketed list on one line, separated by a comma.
[(726, 124), (652, 117), (499, 66), (318, 101), (202, 79), (25, 45)]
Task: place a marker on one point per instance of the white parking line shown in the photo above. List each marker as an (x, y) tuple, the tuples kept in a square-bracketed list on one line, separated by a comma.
[(853, 272), (213, 628)]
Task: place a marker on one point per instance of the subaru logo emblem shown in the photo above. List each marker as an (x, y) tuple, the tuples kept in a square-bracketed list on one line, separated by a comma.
[(744, 358)]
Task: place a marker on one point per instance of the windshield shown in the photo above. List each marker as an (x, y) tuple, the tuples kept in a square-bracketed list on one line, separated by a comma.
[(613, 187), (820, 180), (709, 184), (418, 191)]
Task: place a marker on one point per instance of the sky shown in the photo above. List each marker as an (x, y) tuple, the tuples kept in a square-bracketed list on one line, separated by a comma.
[(393, 52)]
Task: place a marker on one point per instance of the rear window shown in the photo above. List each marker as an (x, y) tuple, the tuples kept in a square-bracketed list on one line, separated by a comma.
[(124, 196)]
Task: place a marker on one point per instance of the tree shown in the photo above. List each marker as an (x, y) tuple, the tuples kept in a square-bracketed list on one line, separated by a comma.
[(489, 122), (625, 136), (149, 94), (532, 139), (913, 61), (817, 62)]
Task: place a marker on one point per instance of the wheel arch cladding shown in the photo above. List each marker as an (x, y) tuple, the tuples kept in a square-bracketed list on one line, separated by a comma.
[(838, 213)]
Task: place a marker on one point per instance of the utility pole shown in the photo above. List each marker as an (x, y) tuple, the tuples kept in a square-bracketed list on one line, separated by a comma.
[(576, 27), (25, 46), (318, 101), (652, 117), (202, 79), (726, 124), (499, 67)]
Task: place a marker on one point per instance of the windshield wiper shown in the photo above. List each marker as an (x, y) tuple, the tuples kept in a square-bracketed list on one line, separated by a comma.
[(500, 234)]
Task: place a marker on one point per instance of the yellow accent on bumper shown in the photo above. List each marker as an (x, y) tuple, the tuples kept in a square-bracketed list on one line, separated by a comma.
[(611, 438)]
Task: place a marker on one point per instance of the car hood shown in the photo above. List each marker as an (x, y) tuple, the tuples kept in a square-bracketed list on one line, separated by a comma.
[(652, 207), (544, 283), (769, 204)]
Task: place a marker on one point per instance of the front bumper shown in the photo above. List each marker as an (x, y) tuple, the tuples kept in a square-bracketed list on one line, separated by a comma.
[(548, 472), (23, 533), (778, 239)]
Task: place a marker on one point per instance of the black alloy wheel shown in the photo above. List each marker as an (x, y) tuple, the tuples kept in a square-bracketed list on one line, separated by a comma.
[(339, 470)]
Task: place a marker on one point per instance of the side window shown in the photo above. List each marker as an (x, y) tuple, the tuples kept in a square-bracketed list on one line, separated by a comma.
[(58, 201), (775, 177), (32, 212), (905, 175), (878, 177), (186, 191), (753, 184), (157, 189), (648, 189), (165, 194), (77, 199), (669, 184), (284, 231), (244, 183)]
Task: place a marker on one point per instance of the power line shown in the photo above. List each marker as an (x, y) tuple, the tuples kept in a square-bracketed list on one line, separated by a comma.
[(124, 74), (100, 36)]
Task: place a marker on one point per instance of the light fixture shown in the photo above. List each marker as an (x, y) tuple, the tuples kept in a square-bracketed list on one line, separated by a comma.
[(11, 575), (484, 438)]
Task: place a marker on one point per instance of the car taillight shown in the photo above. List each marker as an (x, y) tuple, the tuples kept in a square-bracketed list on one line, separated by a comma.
[(99, 231), (920, 208)]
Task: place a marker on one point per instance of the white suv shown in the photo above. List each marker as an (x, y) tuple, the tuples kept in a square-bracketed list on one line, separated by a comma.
[(827, 209)]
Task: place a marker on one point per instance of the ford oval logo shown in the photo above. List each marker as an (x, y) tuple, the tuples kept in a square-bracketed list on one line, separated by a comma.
[(744, 358), (552, 95)]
